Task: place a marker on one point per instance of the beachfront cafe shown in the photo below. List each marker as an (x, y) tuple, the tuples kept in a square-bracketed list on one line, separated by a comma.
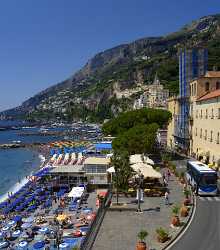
[(96, 170), (72, 175)]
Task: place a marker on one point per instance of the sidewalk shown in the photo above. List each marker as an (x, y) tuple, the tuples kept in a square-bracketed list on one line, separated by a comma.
[(119, 229)]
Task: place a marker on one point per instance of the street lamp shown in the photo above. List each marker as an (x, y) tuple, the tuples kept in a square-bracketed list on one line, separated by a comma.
[(139, 181)]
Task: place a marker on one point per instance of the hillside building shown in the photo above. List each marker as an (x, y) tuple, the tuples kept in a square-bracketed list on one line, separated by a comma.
[(154, 97)]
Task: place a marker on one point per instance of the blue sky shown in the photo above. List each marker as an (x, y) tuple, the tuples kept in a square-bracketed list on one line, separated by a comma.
[(43, 42)]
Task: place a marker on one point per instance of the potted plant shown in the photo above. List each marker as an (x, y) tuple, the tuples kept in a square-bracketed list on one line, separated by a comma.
[(162, 235), (187, 200), (141, 244), (184, 211), (175, 218), (182, 177)]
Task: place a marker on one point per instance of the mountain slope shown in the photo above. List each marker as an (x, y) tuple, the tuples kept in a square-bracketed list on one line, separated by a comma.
[(99, 90)]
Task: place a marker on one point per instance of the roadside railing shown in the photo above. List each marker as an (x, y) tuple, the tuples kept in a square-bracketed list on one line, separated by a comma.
[(95, 226)]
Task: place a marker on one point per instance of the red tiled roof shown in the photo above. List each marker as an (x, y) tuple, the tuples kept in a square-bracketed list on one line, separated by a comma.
[(210, 95)]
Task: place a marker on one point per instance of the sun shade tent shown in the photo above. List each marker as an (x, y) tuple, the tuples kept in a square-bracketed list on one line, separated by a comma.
[(137, 158), (146, 170), (76, 192)]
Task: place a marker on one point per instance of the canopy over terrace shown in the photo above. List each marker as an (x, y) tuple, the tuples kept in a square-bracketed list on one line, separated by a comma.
[(139, 158), (69, 174), (146, 170), (103, 146)]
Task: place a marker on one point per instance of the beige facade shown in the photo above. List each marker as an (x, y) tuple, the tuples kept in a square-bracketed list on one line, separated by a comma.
[(205, 117), (173, 107), (206, 129)]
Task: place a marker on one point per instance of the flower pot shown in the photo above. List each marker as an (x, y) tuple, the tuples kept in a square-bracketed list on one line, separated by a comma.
[(162, 239), (184, 211), (141, 246), (175, 221), (187, 202)]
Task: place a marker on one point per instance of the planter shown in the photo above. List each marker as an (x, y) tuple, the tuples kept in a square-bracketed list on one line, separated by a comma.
[(187, 202), (175, 221), (162, 239), (141, 246), (184, 211)]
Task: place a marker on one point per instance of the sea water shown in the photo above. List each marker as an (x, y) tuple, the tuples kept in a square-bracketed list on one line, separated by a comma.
[(15, 165)]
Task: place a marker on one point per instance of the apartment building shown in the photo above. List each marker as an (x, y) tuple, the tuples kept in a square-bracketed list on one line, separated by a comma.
[(205, 117)]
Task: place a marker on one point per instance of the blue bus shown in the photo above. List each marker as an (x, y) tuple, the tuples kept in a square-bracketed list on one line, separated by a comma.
[(202, 178)]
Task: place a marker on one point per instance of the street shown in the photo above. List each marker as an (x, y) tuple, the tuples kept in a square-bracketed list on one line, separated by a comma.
[(204, 232)]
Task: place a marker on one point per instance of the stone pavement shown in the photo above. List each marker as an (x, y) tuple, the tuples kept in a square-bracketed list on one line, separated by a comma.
[(119, 229)]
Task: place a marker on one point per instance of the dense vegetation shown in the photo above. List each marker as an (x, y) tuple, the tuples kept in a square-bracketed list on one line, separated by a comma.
[(130, 119), (136, 130)]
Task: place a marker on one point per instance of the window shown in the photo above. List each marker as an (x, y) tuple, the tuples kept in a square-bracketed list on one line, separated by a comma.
[(207, 86), (196, 132), (201, 114), (217, 141), (217, 85), (218, 113), (212, 115), (206, 114), (211, 133), (195, 89), (205, 135), (200, 133)]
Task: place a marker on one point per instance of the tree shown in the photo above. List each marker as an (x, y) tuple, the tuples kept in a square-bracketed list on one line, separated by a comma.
[(123, 171)]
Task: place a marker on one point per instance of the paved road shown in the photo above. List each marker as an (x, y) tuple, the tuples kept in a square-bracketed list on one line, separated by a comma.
[(204, 231)]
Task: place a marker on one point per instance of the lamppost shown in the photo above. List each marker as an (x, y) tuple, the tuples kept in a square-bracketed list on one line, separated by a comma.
[(139, 181)]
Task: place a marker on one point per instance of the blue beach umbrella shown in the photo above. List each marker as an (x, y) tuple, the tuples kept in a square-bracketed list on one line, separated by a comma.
[(23, 245), (28, 220), (44, 230), (39, 245), (26, 225), (17, 218), (5, 229), (11, 223), (4, 244), (64, 245), (16, 233)]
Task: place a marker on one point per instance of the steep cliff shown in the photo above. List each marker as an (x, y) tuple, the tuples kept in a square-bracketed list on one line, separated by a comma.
[(94, 91)]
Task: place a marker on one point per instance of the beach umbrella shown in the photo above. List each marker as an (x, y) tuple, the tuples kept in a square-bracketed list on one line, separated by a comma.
[(64, 245), (16, 233), (44, 230), (111, 170), (17, 218), (6, 228), (39, 245), (26, 225), (23, 245), (29, 219), (1, 235), (11, 223), (4, 244)]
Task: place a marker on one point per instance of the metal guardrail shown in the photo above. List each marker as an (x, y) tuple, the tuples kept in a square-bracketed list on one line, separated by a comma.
[(89, 240)]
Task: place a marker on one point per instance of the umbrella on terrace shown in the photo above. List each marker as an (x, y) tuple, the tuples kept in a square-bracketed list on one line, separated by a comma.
[(146, 170), (29, 219)]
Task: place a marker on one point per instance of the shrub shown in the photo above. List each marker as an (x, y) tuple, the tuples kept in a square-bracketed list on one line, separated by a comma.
[(175, 210), (162, 234), (142, 235)]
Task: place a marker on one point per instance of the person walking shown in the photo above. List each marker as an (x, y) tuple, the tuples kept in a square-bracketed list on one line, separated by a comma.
[(166, 196), (168, 174)]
